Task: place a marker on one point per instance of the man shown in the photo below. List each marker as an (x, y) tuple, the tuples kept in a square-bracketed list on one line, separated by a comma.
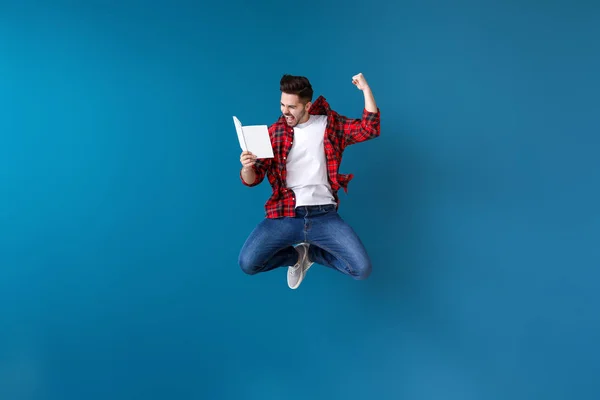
[(302, 225)]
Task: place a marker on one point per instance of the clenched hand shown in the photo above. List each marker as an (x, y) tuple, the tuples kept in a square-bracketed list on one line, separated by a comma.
[(247, 159)]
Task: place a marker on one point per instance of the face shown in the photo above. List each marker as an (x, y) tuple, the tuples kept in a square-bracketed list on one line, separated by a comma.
[(293, 109)]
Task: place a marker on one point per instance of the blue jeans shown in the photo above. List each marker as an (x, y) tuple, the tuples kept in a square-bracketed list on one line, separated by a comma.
[(333, 243)]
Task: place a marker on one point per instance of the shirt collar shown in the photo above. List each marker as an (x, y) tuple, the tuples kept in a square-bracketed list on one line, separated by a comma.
[(319, 107)]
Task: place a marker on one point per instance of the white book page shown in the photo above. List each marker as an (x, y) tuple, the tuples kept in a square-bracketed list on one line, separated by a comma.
[(258, 141), (254, 138)]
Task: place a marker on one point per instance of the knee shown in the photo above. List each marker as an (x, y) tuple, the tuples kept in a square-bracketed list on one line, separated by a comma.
[(247, 263), (362, 269)]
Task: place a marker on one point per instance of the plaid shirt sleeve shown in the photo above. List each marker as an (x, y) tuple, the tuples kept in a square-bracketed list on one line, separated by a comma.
[(360, 130), (260, 169)]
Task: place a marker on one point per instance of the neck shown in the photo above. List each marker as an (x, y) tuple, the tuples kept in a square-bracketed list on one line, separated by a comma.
[(305, 119)]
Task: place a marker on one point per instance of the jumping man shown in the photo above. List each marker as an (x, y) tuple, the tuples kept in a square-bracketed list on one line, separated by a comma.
[(302, 225)]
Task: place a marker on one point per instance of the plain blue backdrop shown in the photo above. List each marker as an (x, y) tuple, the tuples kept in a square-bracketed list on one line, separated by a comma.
[(122, 213)]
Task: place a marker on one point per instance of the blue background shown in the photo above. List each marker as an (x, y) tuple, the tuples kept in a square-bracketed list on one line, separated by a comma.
[(122, 213)]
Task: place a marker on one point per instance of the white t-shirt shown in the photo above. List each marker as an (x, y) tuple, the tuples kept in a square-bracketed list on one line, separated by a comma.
[(306, 164)]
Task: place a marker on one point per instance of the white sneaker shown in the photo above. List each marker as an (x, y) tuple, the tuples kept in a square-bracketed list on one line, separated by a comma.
[(297, 272)]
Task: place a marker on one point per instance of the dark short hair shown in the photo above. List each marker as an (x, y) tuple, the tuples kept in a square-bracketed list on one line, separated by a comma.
[(298, 85)]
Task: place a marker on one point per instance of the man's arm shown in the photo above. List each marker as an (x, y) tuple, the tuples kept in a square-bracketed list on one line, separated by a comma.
[(253, 170), (248, 175), (368, 127), (361, 83)]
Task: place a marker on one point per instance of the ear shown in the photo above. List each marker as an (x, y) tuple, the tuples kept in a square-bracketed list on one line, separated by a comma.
[(307, 107)]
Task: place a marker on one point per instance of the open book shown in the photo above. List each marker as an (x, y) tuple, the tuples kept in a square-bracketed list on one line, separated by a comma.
[(254, 138)]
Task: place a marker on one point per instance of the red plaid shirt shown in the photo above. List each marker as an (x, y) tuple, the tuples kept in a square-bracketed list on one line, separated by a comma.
[(340, 132)]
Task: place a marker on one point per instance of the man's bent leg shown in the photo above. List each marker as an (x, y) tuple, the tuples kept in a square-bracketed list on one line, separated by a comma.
[(270, 245), (335, 244)]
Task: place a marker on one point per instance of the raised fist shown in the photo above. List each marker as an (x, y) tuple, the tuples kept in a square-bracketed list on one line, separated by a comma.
[(360, 82)]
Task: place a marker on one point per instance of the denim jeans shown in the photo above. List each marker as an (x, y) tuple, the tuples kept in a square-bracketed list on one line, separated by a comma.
[(333, 243)]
